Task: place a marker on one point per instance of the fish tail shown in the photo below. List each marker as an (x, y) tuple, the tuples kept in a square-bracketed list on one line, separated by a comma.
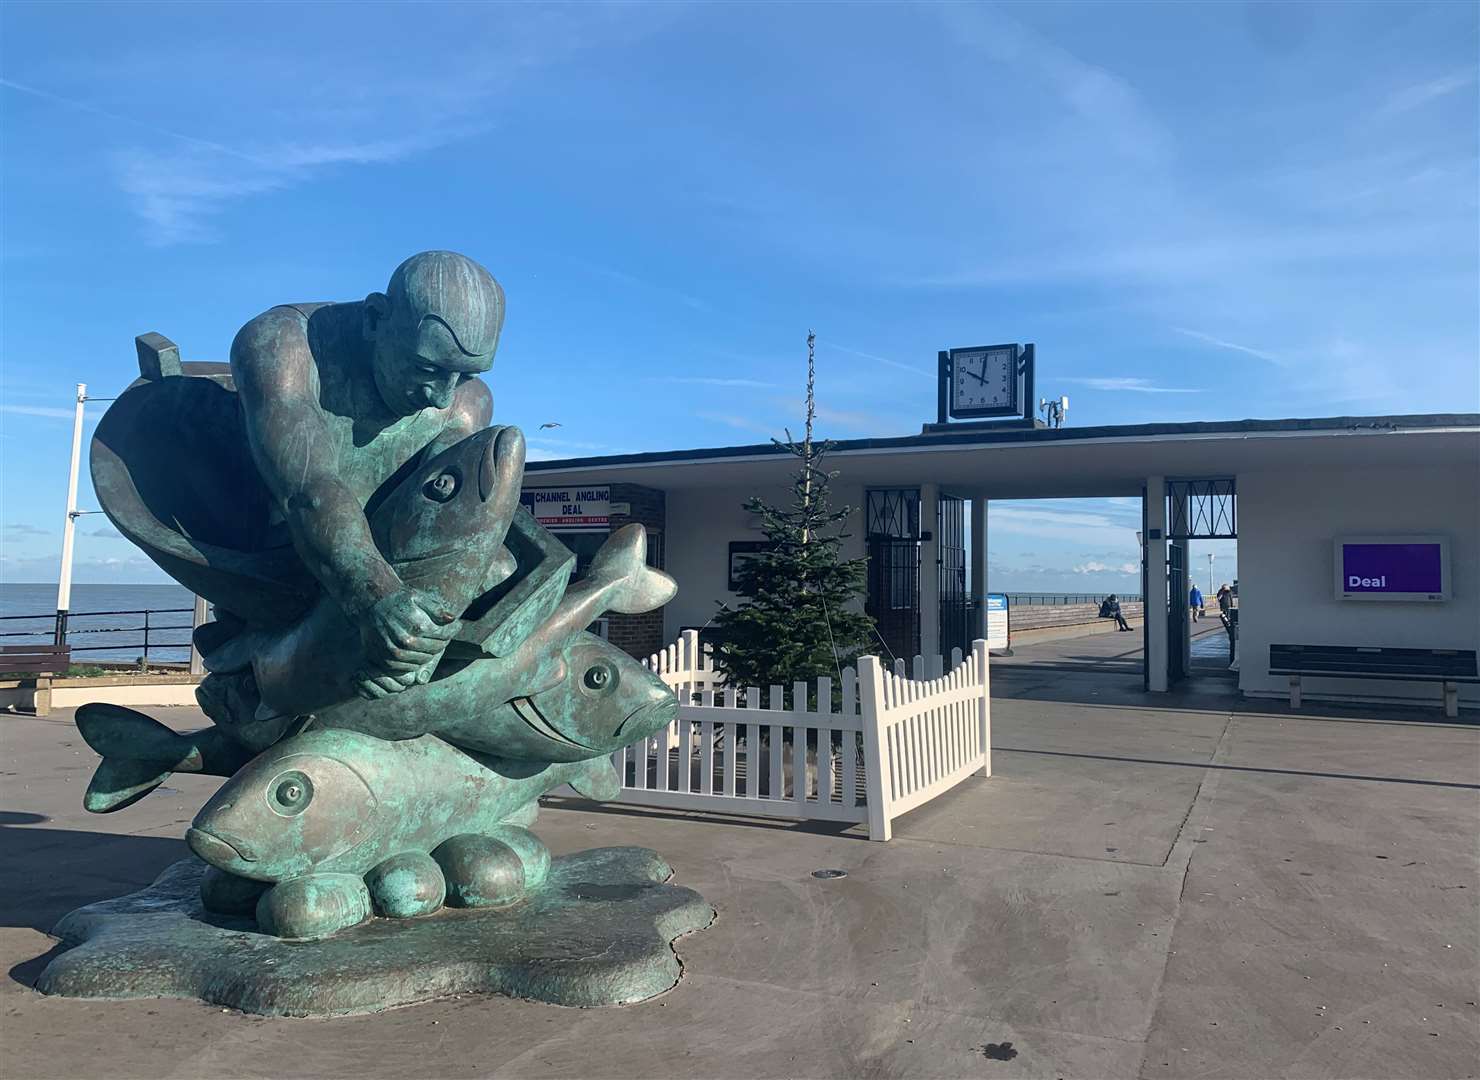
[(622, 562), (139, 753)]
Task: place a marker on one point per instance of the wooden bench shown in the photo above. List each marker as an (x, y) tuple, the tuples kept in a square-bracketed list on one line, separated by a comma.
[(43, 661), (1448, 667)]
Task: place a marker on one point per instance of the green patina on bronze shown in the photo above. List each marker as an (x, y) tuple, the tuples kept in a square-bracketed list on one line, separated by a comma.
[(597, 933), (398, 661)]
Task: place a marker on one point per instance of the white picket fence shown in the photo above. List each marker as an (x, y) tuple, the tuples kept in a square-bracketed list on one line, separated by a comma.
[(895, 743)]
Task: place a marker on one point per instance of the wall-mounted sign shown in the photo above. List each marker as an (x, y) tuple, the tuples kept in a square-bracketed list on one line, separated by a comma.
[(570, 508), (1392, 568), (997, 621), (740, 550)]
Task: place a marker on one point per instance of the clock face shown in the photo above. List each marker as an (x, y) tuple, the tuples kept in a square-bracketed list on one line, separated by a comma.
[(984, 381)]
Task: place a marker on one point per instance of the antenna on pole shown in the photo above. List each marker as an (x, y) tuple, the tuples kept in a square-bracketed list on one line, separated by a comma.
[(1053, 411)]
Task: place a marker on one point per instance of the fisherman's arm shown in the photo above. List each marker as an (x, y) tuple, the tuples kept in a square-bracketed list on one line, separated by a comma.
[(292, 447)]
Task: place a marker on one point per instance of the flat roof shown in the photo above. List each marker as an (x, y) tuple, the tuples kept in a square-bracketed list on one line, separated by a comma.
[(1025, 462)]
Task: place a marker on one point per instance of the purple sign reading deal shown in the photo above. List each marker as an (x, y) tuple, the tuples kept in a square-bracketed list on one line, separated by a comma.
[(1392, 568)]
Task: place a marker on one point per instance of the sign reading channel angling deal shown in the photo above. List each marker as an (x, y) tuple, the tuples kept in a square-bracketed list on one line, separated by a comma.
[(1392, 568), (569, 509)]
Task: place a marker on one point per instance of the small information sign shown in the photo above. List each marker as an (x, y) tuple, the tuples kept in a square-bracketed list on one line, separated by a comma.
[(997, 621)]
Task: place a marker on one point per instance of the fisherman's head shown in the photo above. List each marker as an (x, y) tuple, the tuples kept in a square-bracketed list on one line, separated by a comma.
[(436, 325)]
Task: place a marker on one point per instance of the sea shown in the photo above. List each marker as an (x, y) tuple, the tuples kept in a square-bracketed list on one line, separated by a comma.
[(106, 621)]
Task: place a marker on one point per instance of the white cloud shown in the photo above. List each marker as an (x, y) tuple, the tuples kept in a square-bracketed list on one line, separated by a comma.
[(703, 380), (1412, 97), (1138, 386), (1103, 101), (742, 423), (914, 369), (353, 108), (51, 412), (1220, 343), (1087, 530), (1093, 567), (642, 284)]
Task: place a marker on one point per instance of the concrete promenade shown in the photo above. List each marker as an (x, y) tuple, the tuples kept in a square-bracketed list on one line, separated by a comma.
[(1185, 885)]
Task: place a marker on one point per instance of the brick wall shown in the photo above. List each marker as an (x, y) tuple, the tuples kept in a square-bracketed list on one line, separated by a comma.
[(640, 635)]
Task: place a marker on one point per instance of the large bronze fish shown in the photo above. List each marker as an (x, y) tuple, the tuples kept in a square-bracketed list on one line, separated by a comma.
[(562, 695)]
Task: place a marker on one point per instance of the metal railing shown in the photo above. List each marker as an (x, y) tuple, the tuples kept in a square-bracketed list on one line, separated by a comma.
[(1031, 599), (62, 629)]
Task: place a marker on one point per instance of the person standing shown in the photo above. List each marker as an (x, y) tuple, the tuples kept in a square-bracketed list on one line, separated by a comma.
[(1225, 599), (1195, 603)]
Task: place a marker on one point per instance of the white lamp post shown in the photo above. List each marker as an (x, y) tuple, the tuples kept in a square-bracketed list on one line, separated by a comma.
[(69, 527)]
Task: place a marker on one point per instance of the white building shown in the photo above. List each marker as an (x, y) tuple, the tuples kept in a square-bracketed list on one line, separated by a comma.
[(1289, 490)]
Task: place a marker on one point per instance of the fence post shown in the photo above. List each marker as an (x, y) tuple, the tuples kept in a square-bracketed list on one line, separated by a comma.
[(690, 658), (875, 754), (984, 721)]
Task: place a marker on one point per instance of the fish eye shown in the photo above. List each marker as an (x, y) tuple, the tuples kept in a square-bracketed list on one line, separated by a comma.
[(599, 677), (442, 488), (290, 794)]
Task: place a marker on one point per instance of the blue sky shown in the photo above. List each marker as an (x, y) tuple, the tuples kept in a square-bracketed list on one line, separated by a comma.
[(1195, 211)]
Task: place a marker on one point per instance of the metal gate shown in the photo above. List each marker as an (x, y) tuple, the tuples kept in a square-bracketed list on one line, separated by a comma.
[(892, 516), (1178, 629), (955, 605)]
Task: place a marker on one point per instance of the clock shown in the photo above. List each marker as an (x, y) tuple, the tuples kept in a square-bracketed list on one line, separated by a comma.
[(983, 381)]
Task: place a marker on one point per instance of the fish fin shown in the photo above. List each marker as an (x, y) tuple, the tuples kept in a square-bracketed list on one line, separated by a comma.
[(121, 733), (524, 816), (622, 561), (233, 655), (597, 780), (120, 782)]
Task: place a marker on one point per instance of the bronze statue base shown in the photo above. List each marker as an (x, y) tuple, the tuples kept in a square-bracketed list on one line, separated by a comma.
[(599, 932)]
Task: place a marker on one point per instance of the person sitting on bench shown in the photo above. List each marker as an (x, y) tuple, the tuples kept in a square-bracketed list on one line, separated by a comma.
[(1110, 609)]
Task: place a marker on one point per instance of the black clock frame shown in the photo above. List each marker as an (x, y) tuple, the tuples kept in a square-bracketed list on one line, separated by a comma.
[(1022, 386)]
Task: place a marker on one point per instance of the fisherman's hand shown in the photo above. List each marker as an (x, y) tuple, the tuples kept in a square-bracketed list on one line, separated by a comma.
[(404, 636)]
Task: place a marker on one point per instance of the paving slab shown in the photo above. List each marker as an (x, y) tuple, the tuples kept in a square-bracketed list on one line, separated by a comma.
[(1245, 893)]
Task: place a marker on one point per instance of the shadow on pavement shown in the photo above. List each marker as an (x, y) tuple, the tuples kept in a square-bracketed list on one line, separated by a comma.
[(52, 871), (1241, 768)]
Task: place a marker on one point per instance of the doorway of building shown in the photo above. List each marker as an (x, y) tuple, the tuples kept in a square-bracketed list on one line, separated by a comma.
[(1054, 563), (1202, 532), (892, 517)]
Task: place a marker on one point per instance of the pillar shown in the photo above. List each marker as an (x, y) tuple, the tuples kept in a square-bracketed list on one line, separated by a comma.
[(198, 619), (979, 567), (1156, 584), (930, 570)]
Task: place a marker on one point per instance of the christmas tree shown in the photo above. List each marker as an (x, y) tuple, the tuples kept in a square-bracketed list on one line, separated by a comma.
[(799, 618)]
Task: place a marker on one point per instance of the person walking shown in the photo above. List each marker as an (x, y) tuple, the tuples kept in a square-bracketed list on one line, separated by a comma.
[(1225, 599), (1195, 603), (1110, 609)]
